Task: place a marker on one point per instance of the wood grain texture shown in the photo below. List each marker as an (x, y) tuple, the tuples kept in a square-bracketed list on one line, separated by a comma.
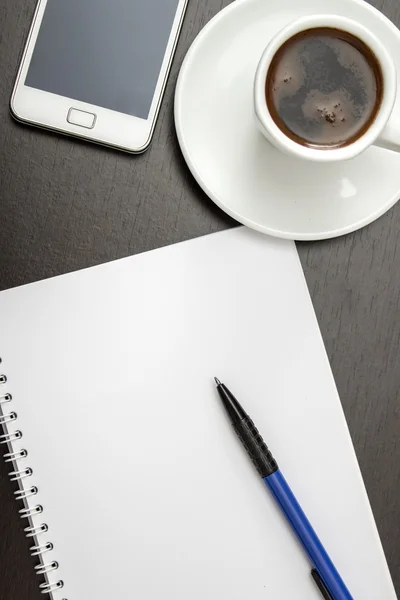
[(66, 205)]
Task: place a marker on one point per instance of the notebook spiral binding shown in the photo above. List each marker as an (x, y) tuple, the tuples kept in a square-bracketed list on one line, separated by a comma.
[(13, 456)]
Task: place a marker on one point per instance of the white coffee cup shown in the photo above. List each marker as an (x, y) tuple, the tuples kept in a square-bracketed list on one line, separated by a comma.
[(384, 131)]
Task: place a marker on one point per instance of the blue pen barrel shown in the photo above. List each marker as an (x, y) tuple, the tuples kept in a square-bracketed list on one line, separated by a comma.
[(309, 539)]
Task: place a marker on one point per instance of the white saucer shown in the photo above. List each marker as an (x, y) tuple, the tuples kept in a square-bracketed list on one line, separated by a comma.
[(233, 163)]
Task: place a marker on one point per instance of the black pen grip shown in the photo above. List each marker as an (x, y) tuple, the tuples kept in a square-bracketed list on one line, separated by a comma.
[(255, 446)]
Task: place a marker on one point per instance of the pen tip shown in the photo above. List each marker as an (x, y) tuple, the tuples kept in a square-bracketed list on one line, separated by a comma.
[(217, 381)]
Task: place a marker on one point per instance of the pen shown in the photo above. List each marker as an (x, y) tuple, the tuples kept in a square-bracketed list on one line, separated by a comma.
[(324, 573)]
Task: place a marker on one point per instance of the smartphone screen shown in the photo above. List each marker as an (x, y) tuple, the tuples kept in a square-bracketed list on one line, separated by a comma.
[(105, 52)]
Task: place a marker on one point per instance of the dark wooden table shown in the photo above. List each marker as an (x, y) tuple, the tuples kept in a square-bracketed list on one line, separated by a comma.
[(65, 205)]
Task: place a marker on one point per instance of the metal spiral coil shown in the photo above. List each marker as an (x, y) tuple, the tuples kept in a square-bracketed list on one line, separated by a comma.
[(48, 588), (5, 398), (22, 494), (17, 475), (40, 549), (13, 456), (9, 438), (26, 513), (7, 418), (35, 531), (42, 569)]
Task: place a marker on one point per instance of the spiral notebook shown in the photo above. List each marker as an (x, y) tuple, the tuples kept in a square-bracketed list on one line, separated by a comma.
[(132, 483)]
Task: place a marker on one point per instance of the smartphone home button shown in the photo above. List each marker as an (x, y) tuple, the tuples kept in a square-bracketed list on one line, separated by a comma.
[(81, 118)]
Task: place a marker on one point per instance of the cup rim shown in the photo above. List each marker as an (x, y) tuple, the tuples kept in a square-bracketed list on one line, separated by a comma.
[(388, 97)]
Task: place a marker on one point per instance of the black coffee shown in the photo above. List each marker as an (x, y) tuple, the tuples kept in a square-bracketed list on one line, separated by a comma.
[(324, 88)]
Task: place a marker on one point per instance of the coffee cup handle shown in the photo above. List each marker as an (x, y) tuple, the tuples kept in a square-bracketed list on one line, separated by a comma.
[(390, 136)]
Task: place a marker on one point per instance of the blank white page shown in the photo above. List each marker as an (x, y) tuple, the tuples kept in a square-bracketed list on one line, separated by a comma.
[(145, 488)]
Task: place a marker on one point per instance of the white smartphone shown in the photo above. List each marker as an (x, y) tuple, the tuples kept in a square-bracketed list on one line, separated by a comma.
[(97, 69)]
